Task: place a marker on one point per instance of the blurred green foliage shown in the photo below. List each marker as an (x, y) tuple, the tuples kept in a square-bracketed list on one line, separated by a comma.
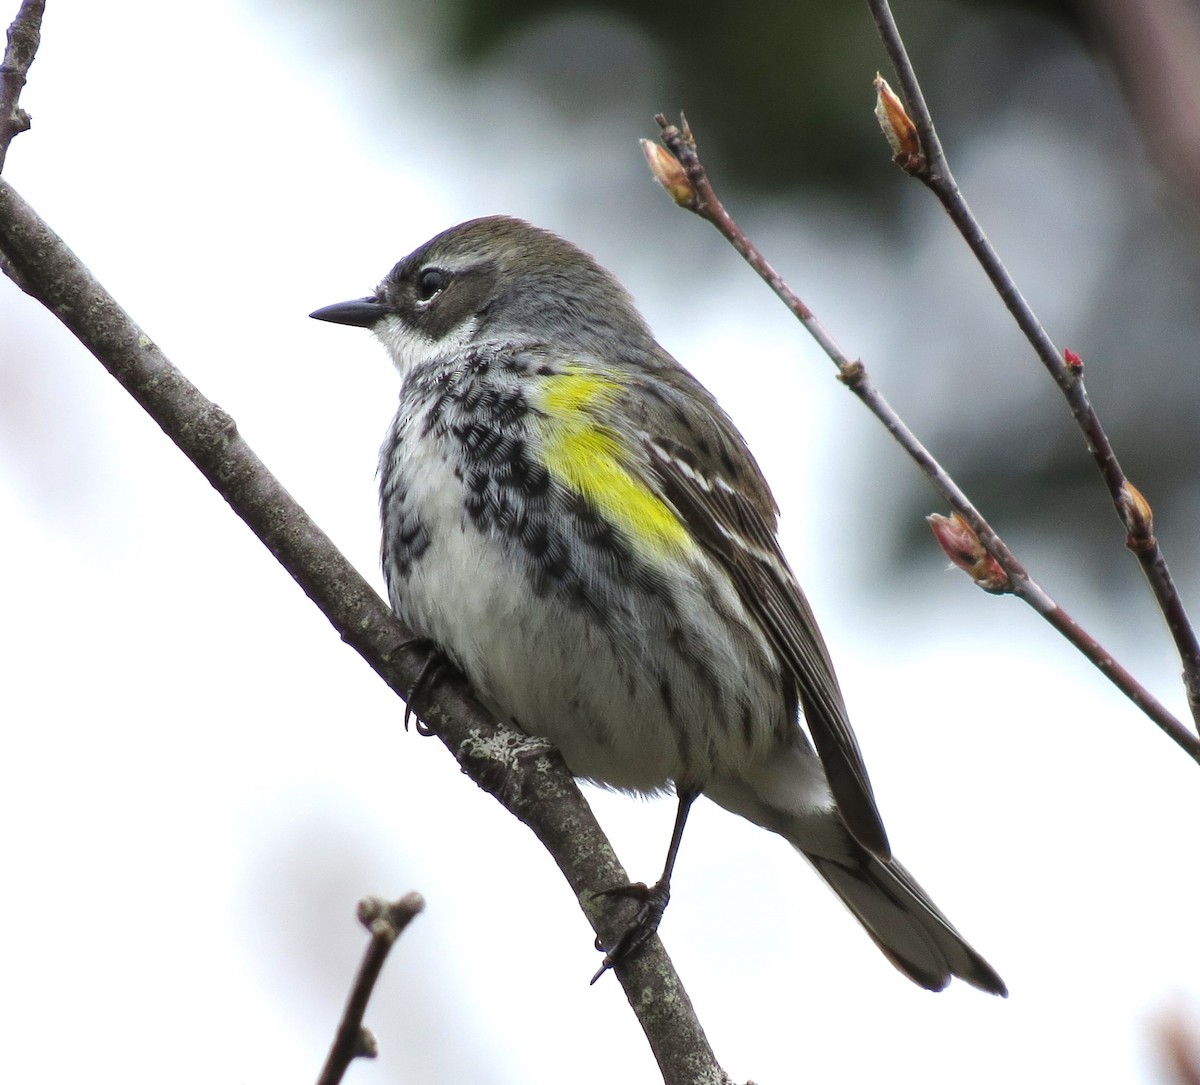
[(781, 87)]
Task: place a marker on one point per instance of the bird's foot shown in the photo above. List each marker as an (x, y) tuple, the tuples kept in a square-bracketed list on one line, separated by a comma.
[(436, 662), (652, 903)]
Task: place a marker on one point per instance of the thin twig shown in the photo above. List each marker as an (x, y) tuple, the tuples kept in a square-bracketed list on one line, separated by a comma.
[(693, 190), (386, 922), (24, 36), (531, 781), (1066, 369)]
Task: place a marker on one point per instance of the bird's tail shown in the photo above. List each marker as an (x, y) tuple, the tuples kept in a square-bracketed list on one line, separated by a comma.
[(903, 922), (895, 911)]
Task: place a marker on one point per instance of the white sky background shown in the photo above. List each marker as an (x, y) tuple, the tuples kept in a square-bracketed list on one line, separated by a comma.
[(199, 780)]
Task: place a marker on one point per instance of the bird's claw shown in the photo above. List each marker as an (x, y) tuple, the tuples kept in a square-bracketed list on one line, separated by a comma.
[(434, 664), (653, 902)]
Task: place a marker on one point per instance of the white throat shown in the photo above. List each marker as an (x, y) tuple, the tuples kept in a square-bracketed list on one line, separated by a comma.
[(410, 348)]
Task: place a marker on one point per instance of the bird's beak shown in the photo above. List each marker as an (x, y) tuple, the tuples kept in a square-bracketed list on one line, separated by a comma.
[(360, 313)]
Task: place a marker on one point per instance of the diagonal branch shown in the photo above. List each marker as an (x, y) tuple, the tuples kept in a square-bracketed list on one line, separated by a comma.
[(683, 175), (931, 168)]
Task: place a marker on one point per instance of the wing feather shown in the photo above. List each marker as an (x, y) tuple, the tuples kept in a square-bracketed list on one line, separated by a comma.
[(710, 477)]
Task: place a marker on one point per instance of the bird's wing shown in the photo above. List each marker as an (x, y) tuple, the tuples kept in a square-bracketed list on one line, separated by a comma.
[(704, 469)]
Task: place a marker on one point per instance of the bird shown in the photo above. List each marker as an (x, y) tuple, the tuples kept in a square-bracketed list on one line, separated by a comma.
[(581, 529)]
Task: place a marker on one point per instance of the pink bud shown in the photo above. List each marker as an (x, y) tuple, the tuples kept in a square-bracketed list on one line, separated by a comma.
[(898, 127), (962, 546), (1137, 516), (669, 173)]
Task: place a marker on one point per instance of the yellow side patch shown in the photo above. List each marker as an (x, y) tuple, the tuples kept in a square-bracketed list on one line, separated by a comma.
[(586, 455)]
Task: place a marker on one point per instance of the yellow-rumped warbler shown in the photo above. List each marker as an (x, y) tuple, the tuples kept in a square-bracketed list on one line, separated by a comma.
[(574, 520)]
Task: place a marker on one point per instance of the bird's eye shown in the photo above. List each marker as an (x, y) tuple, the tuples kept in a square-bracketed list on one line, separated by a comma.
[(431, 281)]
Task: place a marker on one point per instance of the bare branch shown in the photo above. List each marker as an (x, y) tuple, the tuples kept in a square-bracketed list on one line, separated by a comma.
[(699, 197), (386, 922), (24, 36), (1065, 367)]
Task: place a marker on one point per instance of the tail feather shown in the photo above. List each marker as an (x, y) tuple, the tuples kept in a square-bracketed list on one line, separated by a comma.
[(904, 923), (790, 797)]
